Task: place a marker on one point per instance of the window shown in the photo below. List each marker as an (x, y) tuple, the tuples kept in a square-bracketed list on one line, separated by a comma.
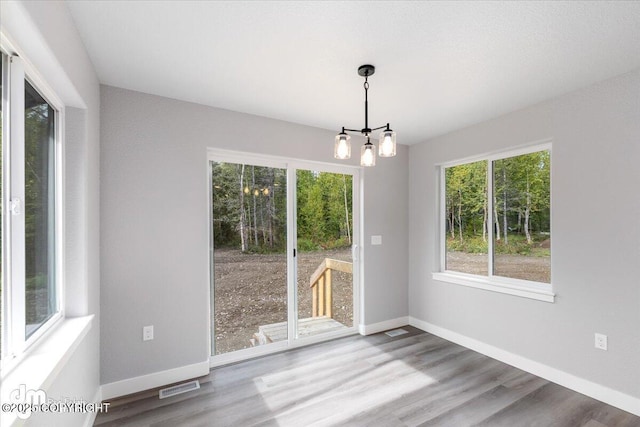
[(496, 221), (30, 277), (39, 210)]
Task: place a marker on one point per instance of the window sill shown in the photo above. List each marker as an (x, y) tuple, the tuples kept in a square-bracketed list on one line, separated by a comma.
[(39, 366), (503, 287)]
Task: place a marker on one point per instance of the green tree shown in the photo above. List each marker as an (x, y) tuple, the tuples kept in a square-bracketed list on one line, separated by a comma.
[(466, 200)]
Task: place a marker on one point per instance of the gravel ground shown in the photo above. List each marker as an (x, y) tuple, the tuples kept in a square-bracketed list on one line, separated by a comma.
[(515, 266), (251, 290)]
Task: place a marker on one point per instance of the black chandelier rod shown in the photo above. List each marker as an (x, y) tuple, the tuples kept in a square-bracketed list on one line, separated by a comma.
[(366, 131), (360, 130)]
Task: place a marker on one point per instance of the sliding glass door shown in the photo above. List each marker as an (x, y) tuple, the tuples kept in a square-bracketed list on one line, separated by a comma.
[(282, 241), (324, 218), (249, 224)]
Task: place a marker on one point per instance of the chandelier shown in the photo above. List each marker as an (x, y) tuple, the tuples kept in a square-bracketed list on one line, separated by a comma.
[(387, 139)]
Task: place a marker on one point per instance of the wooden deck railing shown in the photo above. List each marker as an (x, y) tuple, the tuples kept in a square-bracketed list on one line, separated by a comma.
[(321, 285)]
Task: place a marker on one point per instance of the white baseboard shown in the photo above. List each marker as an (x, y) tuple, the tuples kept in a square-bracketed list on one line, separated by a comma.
[(604, 394), (383, 326), (91, 416), (157, 379)]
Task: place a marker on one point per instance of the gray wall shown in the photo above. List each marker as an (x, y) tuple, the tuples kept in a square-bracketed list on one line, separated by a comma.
[(47, 35), (595, 240), (154, 223)]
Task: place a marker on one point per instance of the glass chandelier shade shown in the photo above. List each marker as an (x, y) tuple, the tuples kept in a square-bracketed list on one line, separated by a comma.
[(368, 154), (342, 148), (387, 144)]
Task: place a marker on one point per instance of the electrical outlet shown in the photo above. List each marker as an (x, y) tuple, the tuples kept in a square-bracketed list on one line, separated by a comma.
[(147, 333), (601, 341)]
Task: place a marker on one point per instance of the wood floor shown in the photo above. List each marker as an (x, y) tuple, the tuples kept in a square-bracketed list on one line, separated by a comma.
[(413, 379)]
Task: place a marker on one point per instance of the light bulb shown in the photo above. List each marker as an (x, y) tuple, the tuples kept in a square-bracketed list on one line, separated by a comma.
[(342, 147), (367, 156), (343, 150), (387, 145)]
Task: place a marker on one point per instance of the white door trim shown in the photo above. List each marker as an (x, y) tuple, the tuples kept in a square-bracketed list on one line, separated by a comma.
[(291, 166)]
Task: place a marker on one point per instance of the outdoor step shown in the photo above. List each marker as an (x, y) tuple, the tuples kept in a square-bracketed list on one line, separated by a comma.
[(309, 326), (258, 339)]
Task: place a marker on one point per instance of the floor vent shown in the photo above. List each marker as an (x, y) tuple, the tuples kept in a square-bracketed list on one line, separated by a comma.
[(396, 332), (179, 389)]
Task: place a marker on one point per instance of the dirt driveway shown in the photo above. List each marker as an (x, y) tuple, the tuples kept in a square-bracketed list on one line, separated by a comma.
[(251, 290), (533, 268)]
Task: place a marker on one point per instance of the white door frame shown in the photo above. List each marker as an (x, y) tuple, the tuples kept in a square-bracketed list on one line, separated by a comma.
[(291, 166)]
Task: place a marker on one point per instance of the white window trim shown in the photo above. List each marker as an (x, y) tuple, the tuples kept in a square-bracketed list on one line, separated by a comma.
[(15, 347), (40, 363), (38, 367), (522, 288)]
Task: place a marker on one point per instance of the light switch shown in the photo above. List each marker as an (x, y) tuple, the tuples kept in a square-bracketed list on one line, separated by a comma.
[(376, 240)]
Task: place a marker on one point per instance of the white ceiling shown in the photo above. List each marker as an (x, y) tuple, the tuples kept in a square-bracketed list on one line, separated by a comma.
[(440, 66)]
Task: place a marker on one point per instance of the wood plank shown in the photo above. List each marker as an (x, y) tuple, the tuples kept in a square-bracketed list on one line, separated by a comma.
[(336, 264), (275, 332), (375, 380), (319, 272), (321, 300), (486, 404), (314, 301), (328, 298)]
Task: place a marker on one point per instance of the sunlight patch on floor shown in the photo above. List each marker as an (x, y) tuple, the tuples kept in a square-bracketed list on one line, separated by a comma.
[(346, 400)]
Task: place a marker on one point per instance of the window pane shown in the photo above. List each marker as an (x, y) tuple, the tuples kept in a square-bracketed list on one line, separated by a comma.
[(249, 288), (522, 235), (467, 218), (324, 264), (40, 297)]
